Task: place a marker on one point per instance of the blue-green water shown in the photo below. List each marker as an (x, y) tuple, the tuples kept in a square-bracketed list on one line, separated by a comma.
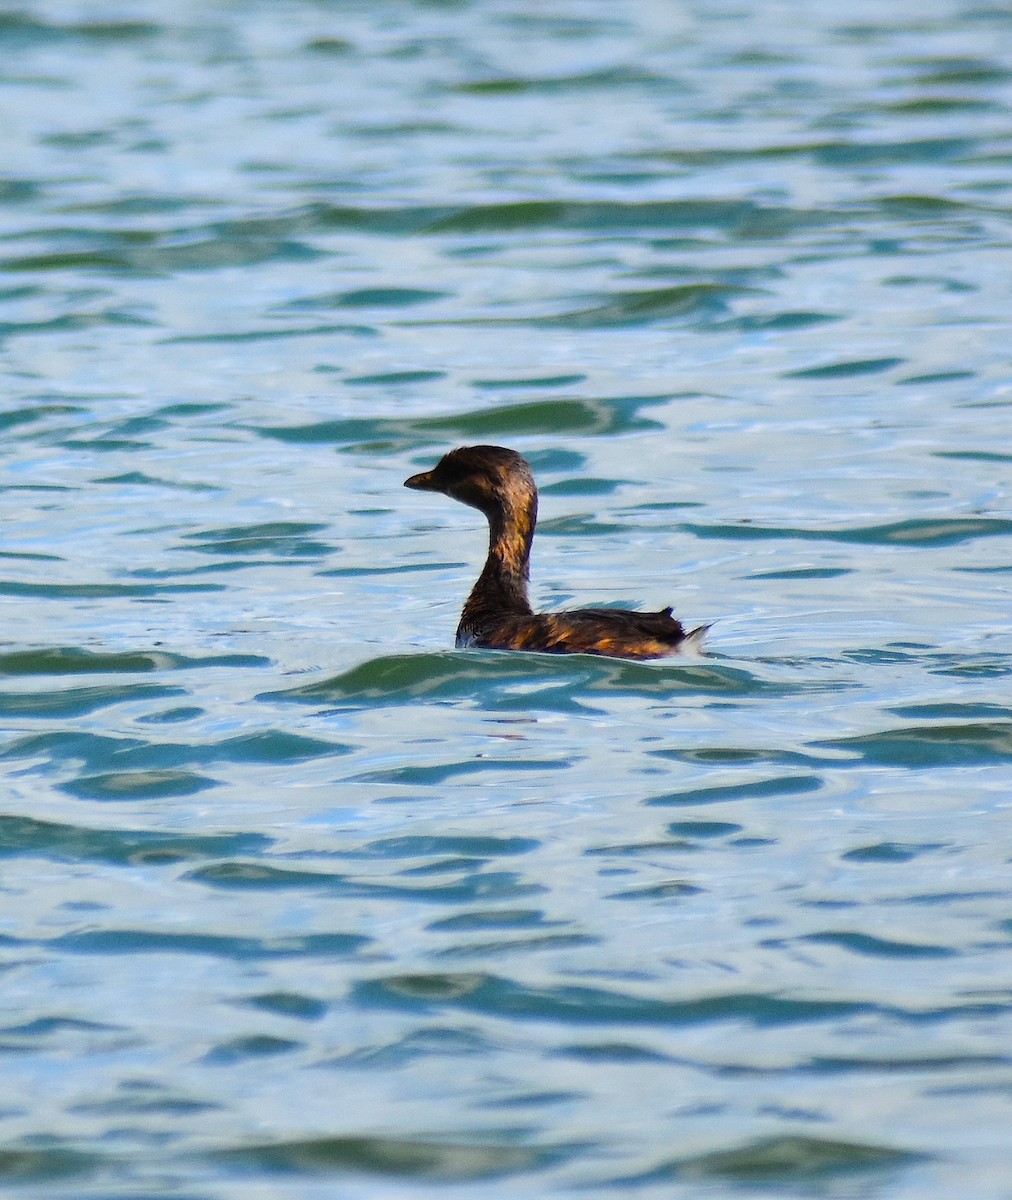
[(299, 901)]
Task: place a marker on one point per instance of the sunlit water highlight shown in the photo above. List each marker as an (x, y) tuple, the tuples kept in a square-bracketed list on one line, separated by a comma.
[(301, 901)]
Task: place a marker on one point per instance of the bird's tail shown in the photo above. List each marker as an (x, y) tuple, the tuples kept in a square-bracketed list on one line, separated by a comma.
[(691, 646)]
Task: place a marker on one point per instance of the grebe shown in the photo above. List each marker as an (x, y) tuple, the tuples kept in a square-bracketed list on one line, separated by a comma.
[(497, 614)]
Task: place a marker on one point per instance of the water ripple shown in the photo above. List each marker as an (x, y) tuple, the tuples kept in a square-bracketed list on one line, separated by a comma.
[(976, 743), (77, 660), (583, 417), (504, 998), (394, 1158), (48, 839), (785, 1161), (218, 946), (506, 680), (937, 531), (472, 886), (28, 1165)]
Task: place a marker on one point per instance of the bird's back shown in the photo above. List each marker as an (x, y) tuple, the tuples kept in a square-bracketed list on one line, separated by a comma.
[(613, 632)]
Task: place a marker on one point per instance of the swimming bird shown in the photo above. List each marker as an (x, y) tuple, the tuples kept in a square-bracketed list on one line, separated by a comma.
[(497, 614)]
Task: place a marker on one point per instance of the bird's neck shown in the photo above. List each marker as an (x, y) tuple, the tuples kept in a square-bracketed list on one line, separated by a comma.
[(502, 584)]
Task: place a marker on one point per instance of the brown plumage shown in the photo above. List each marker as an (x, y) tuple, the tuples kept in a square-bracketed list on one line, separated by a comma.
[(497, 613)]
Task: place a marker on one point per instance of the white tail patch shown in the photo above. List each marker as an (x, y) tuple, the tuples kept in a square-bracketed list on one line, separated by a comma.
[(691, 646)]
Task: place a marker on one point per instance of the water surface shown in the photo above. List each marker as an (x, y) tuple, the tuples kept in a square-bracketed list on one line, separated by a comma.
[(300, 900)]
